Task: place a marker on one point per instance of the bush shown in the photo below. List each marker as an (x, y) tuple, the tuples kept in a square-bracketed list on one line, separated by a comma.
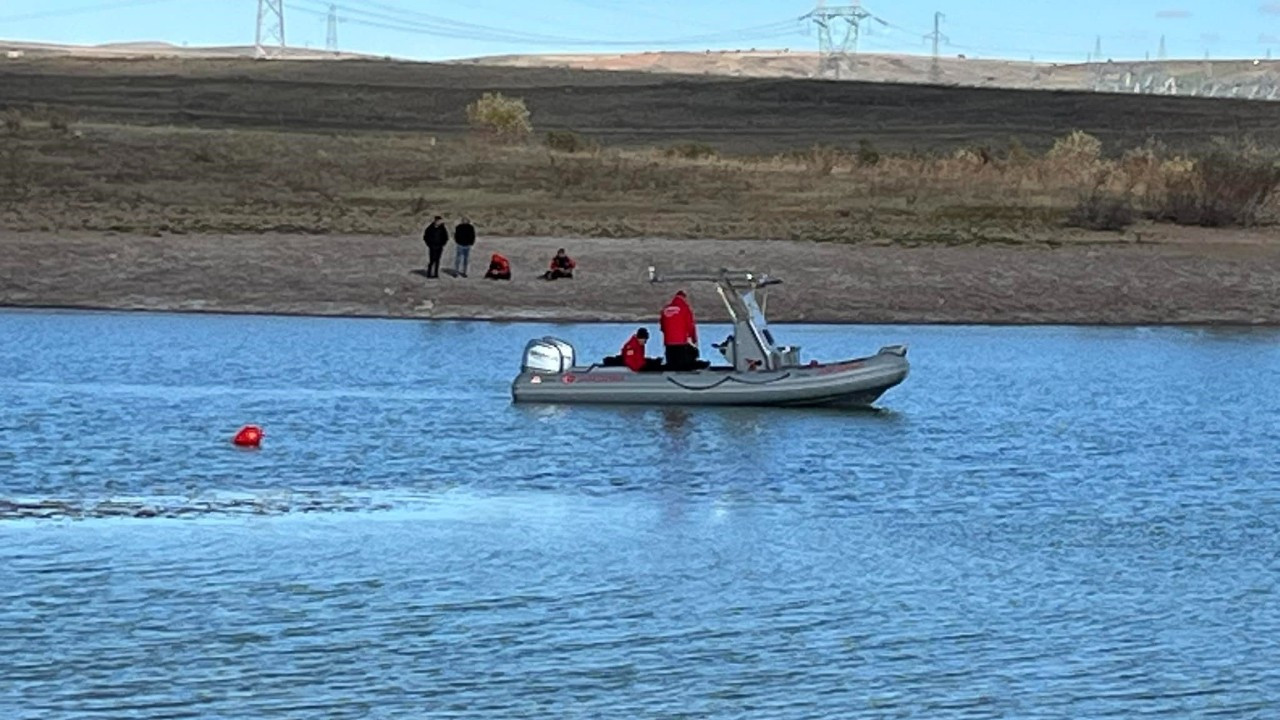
[(692, 151), (867, 155), (1077, 156), (1076, 147), (1223, 189), (1102, 209), (58, 119), (822, 159), (12, 120), (568, 141), (503, 117), (1017, 154)]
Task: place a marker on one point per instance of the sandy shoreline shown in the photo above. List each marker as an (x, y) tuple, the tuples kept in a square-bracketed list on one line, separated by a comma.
[(1174, 277)]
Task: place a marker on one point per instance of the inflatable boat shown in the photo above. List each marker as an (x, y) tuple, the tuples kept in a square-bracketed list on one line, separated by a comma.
[(757, 371)]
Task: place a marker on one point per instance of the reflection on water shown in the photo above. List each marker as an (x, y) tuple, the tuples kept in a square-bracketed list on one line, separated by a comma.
[(1041, 522)]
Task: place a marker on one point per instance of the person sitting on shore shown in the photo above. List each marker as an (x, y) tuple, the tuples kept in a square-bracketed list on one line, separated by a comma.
[(499, 268), (561, 266)]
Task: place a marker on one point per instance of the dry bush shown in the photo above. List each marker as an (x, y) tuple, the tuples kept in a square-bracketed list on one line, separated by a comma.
[(1017, 154), (867, 155), (500, 116), (1102, 209), (821, 159), (17, 172), (59, 119), (1223, 189), (1075, 157), (12, 120), (568, 141), (692, 151)]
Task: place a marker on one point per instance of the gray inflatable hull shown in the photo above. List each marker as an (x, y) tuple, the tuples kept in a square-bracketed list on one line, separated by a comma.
[(852, 383)]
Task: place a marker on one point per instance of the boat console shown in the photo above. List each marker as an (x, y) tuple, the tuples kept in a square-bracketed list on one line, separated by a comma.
[(751, 346)]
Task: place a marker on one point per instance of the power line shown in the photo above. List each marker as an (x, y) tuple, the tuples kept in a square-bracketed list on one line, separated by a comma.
[(392, 18), (81, 10)]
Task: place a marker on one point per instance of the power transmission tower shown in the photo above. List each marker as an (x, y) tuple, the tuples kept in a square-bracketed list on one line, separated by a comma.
[(1162, 54), (270, 29), (935, 70), (1097, 49), (835, 50), (331, 38)]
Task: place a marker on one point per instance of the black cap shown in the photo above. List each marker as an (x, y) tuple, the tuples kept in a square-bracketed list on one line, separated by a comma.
[(642, 333)]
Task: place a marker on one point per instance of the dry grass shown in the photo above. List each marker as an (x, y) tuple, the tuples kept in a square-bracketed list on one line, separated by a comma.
[(132, 179)]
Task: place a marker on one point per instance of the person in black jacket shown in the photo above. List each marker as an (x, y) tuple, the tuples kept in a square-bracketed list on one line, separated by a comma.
[(436, 236), (464, 236)]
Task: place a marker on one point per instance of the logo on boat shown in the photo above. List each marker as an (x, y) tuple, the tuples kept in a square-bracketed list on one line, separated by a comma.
[(609, 378), (842, 367)]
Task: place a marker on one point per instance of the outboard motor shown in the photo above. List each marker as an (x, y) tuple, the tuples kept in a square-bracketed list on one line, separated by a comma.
[(548, 355)]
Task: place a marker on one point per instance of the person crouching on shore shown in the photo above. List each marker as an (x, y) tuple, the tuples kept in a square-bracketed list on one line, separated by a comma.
[(499, 268)]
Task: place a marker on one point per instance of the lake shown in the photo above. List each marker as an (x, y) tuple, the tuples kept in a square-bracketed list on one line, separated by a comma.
[(1043, 522)]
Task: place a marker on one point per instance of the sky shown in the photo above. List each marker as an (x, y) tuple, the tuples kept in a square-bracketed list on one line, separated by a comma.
[(435, 30)]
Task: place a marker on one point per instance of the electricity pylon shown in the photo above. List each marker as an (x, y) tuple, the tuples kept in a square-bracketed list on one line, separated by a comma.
[(838, 32), (935, 70), (331, 38), (269, 40)]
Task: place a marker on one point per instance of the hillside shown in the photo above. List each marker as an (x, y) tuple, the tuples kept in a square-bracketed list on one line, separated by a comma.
[(621, 108)]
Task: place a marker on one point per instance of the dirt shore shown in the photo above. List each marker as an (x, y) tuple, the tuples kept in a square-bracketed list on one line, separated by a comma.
[(1179, 277)]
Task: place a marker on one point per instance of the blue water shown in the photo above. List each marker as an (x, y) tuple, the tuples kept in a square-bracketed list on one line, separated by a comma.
[(1040, 523)]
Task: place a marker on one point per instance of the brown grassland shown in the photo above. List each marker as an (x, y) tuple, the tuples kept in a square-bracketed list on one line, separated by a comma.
[(144, 148)]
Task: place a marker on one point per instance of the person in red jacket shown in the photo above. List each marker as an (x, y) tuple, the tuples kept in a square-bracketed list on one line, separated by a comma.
[(680, 334), (561, 266), (633, 353), (499, 268)]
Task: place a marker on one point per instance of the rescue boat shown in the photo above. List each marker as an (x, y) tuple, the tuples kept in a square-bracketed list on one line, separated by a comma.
[(757, 371)]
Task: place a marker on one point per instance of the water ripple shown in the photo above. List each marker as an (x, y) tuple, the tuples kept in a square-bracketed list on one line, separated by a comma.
[(1043, 523)]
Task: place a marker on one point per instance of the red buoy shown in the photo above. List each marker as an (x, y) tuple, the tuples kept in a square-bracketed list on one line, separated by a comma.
[(249, 436)]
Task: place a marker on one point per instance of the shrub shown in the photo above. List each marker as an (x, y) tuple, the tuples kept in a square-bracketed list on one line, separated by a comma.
[(1017, 154), (12, 120), (1076, 147), (503, 117), (1223, 189), (867, 155), (58, 119), (1078, 155), (568, 141), (1102, 209), (692, 151), (822, 159)]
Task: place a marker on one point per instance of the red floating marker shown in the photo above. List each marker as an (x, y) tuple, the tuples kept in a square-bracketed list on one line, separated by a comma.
[(249, 436)]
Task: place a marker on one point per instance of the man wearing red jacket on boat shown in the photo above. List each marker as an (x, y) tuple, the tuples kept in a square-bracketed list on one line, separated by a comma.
[(633, 354), (680, 334)]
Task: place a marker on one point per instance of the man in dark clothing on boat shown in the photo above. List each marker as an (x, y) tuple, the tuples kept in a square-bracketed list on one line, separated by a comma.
[(436, 236), (561, 266), (464, 236), (680, 334), (499, 268), (633, 353)]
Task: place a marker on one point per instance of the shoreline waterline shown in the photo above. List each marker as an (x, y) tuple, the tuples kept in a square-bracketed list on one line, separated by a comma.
[(569, 319)]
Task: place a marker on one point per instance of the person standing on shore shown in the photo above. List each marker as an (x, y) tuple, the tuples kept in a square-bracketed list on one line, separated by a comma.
[(464, 236), (436, 236)]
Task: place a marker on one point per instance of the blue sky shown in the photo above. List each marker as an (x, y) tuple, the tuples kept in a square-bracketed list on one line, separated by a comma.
[(432, 30)]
